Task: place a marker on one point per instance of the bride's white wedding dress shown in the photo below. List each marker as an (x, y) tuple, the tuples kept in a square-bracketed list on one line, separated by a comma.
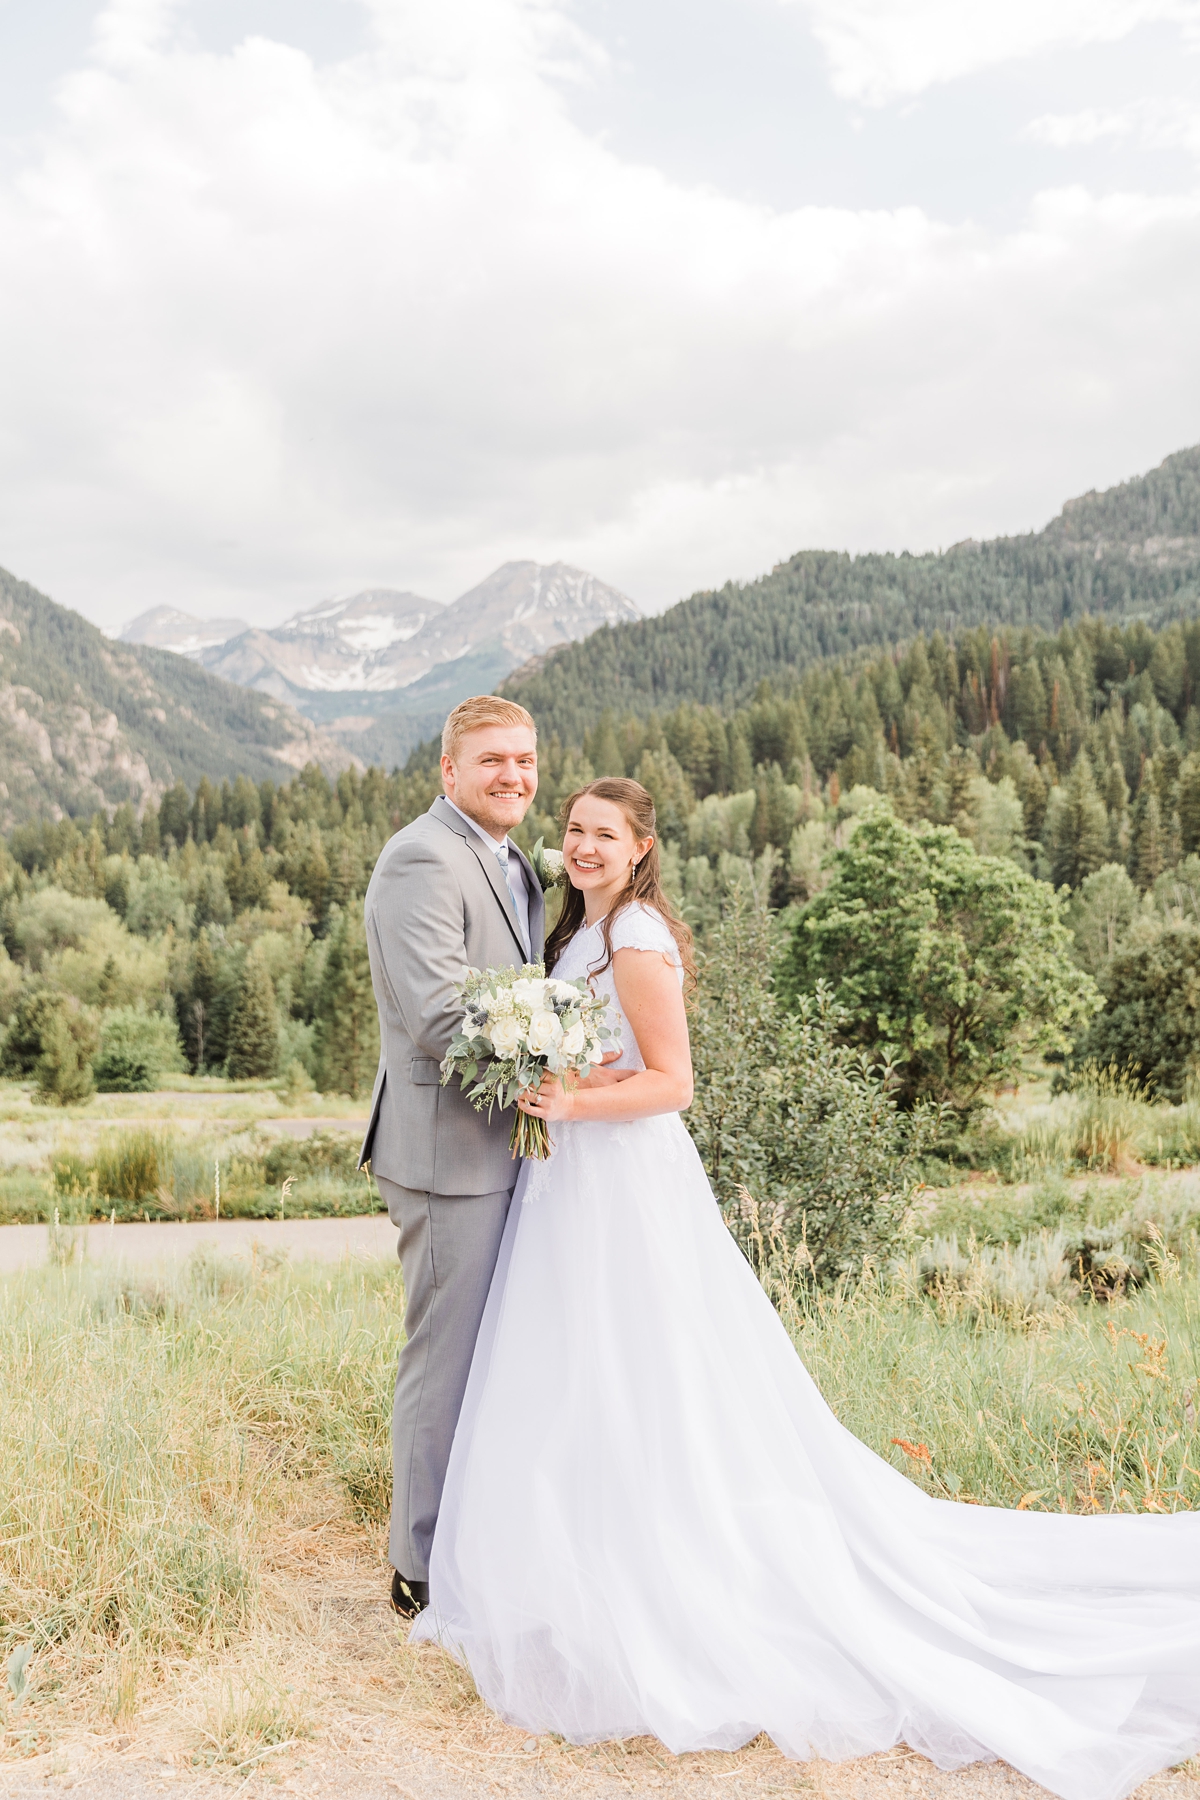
[(652, 1522)]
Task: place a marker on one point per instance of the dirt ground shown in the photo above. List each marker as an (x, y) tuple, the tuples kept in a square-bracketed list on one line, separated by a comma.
[(352, 1713)]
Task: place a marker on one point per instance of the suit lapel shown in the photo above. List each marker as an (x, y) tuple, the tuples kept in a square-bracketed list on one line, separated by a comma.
[(491, 869)]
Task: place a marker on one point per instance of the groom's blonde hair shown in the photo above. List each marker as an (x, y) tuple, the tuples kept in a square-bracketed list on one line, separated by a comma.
[(478, 711)]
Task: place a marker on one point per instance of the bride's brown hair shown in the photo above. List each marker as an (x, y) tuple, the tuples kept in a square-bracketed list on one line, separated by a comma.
[(645, 884)]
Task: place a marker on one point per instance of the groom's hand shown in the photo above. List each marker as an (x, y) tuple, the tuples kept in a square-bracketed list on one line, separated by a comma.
[(601, 1076)]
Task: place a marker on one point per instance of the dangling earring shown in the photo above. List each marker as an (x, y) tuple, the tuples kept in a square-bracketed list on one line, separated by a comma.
[(632, 873)]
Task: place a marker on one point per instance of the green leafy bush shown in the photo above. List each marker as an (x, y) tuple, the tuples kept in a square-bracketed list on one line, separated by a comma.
[(1150, 1025), (795, 1126), (136, 1048), (324, 1153), (953, 965)]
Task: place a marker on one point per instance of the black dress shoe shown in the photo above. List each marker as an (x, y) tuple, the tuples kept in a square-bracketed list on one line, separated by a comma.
[(408, 1597)]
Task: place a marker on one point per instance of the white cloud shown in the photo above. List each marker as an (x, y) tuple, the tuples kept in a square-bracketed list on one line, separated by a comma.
[(285, 331), (882, 50), (1157, 124)]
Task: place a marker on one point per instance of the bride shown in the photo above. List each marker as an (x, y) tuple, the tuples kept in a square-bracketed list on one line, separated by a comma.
[(653, 1524)]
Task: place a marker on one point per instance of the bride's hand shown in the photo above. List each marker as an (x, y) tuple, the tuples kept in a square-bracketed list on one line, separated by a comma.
[(549, 1102)]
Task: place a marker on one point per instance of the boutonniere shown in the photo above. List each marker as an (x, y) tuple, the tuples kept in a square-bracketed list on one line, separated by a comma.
[(549, 866)]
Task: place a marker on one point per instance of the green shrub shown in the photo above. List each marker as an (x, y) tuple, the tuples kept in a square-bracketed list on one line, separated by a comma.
[(325, 1152), (136, 1048), (122, 1071), (51, 1037), (23, 1039), (800, 1133), (1150, 1025), (1017, 1284)]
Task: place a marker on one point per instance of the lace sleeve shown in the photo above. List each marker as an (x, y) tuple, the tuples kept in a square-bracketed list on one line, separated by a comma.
[(638, 928)]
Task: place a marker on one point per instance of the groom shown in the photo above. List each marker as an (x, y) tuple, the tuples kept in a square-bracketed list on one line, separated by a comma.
[(448, 890)]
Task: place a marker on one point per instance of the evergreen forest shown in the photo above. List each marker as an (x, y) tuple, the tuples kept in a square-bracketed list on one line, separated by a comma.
[(1130, 552), (222, 931)]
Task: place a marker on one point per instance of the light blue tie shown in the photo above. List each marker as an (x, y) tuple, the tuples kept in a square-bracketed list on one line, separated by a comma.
[(502, 859)]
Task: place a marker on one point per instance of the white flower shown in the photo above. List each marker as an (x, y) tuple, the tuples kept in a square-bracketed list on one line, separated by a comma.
[(544, 1030), (505, 1034), (574, 1040), (529, 992), (554, 862), (497, 1002)]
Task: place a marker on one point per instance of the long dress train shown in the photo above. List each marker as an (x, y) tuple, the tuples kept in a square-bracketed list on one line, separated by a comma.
[(652, 1523)]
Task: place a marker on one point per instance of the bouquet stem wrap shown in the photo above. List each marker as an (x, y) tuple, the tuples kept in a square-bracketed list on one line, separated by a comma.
[(518, 1026)]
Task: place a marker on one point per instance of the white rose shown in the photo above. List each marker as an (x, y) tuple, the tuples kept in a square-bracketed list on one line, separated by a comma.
[(528, 993), (506, 1036), (544, 1030), (574, 1040), (554, 862)]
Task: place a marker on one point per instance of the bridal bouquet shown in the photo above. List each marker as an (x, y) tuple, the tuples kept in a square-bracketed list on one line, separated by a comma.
[(517, 1024)]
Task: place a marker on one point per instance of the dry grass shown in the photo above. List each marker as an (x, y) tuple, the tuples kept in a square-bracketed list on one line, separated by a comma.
[(324, 1697), (253, 1409)]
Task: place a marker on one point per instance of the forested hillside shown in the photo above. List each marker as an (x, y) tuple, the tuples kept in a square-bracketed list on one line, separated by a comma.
[(86, 722), (1133, 551), (221, 928), (1074, 755)]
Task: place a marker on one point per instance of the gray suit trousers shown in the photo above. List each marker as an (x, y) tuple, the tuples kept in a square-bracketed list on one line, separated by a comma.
[(448, 1248)]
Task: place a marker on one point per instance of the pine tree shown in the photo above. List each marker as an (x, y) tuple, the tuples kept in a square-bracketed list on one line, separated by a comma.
[(196, 1009), (1150, 849), (741, 768), (151, 842), (1189, 804), (605, 754), (68, 1042), (1087, 816), (346, 1041), (254, 1028), (1029, 710)]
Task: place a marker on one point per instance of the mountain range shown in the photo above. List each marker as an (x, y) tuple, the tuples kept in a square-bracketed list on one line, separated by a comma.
[(1131, 552), (87, 723), (381, 668)]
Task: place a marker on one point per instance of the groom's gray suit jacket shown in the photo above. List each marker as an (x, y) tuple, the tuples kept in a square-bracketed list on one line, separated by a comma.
[(436, 902)]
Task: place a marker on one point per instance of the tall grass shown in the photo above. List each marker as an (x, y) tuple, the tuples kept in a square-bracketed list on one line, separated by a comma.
[(153, 1435), (156, 1434), (986, 1383), (1106, 1125), (154, 1174)]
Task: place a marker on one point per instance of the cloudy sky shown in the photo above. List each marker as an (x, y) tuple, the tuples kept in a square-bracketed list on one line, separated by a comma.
[(300, 296)]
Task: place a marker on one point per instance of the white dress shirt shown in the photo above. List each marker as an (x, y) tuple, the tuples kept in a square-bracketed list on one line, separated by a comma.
[(510, 867)]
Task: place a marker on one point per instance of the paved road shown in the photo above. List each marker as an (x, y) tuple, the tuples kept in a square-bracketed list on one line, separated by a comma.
[(144, 1246)]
